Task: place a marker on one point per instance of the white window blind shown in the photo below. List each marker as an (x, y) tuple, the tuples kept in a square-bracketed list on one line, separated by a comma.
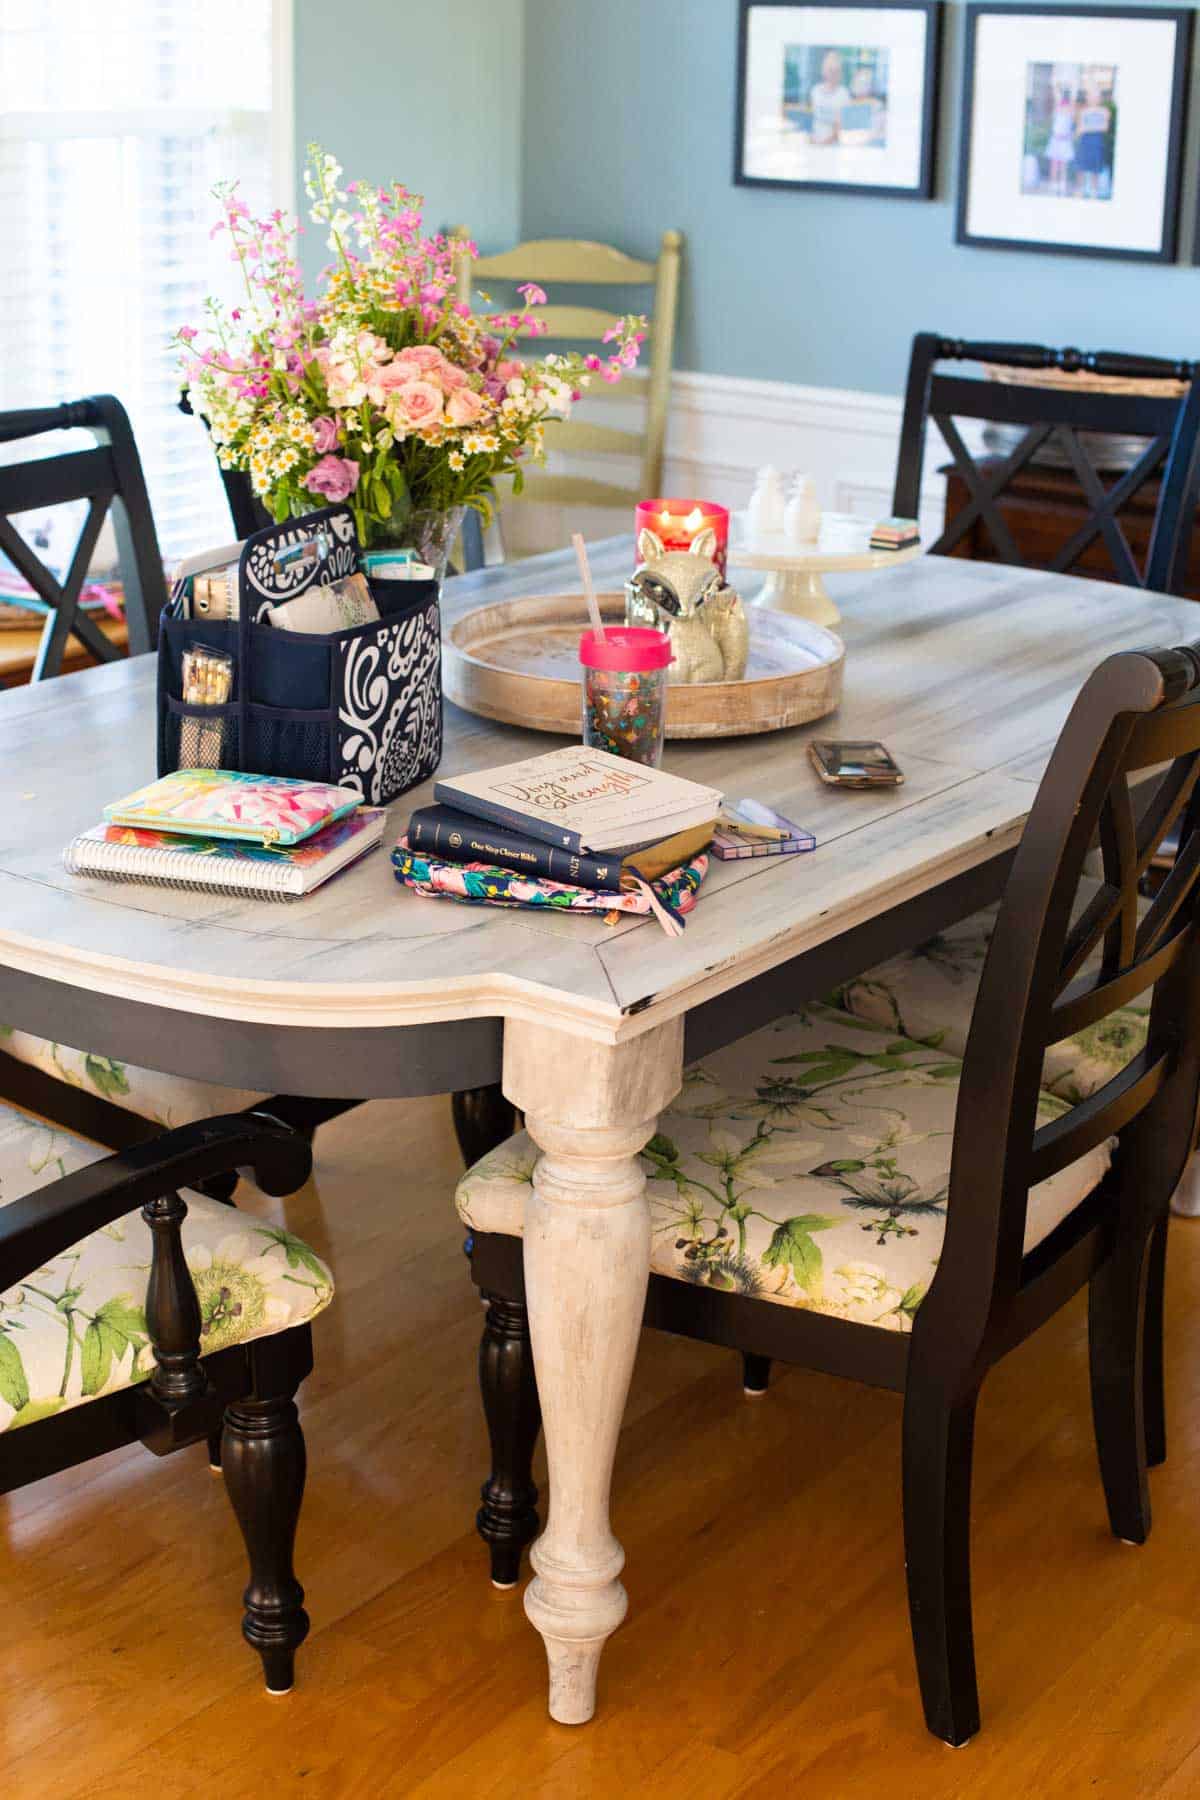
[(117, 121)]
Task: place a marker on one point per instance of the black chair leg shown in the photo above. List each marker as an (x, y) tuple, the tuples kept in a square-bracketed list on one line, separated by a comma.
[(508, 1519), (214, 1450), (938, 1448), (1117, 1325), (1154, 1387), (263, 1461), (756, 1373), (483, 1118)]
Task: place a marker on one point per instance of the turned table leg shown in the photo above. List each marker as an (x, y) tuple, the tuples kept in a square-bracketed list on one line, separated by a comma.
[(589, 1108)]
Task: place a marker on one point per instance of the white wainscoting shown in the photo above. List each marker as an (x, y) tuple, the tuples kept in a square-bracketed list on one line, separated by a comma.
[(723, 428)]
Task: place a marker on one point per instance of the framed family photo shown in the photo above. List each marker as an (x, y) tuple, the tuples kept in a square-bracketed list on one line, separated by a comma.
[(838, 97), (1072, 129)]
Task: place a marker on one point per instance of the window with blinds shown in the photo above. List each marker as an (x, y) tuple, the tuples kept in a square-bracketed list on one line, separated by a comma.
[(118, 120)]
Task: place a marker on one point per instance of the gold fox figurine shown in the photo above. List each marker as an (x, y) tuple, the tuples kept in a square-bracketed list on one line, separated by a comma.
[(682, 593)]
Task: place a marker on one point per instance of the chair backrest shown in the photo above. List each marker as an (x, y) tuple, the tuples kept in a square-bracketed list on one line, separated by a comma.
[(558, 263), (109, 478), (1059, 962), (1169, 418)]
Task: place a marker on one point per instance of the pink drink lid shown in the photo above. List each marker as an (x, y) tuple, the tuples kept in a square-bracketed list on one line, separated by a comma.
[(627, 647)]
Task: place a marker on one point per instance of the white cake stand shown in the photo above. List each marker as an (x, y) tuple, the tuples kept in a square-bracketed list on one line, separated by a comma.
[(794, 583)]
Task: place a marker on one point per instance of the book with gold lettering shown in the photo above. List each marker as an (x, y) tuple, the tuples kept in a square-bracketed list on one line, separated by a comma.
[(583, 800)]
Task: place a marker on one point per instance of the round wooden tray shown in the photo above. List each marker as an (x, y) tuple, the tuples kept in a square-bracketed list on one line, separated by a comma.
[(518, 661)]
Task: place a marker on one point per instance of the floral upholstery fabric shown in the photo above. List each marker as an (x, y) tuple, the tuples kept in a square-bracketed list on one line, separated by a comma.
[(76, 1328), (165, 1100), (929, 994), (807, 1164)]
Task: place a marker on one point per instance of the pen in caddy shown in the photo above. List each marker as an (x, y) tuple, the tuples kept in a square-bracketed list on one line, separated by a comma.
[(207, 681)]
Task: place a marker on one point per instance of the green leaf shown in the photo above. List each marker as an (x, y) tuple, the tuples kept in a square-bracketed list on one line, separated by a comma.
[(14, 1388), (911, 1299), (108, 1076), (118, 1326), (840, 1165), (95, 1360), (792, 1247), (296, 1250), (34, 1410), (125, 1318), (943, 1071), (662, 1149)]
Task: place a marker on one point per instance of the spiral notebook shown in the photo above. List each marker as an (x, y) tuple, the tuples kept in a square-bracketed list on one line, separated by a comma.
[(221, 865)]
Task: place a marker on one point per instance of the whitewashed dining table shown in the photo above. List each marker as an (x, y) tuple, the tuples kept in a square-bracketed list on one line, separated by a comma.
[(966, 671)]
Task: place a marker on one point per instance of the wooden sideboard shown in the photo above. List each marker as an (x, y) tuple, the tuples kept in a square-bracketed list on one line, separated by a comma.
[(1043, 507)]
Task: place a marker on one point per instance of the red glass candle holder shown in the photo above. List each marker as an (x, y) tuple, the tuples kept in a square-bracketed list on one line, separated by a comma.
[(676, 522)]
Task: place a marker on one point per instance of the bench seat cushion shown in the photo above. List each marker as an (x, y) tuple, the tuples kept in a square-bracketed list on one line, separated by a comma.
[(166, 1100), (929, 994), (807, 1165), (76, 1328)]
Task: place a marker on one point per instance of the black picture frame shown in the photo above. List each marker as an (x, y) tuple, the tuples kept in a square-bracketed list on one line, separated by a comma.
[(923, 189), (1167, 252)]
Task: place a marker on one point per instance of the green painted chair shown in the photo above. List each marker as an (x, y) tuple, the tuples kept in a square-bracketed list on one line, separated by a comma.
[(559, 264)]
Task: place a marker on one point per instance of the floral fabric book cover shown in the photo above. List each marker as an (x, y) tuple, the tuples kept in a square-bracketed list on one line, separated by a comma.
[(267, 809), (584, 800)]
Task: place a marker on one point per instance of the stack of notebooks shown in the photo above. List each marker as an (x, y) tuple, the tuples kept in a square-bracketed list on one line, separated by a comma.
[(580, 830), (257, 837), (895, 534), (578, 816)]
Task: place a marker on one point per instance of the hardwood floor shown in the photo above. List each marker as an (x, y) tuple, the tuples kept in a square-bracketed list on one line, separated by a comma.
[(767, 1647)]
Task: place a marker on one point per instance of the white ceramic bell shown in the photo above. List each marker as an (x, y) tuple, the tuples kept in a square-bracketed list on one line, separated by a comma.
[(802, 516)]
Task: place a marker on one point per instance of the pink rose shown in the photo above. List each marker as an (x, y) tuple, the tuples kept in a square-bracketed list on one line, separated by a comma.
[(382, 382), (418, 403), (450, 377), (325, 434), (464, 407), (334, 476), (425, 357), (508, 370)]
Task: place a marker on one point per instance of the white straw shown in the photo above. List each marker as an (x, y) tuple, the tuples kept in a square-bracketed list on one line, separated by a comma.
[(589, 592)]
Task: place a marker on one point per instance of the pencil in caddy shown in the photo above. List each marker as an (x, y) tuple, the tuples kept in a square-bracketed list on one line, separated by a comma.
[(360, 707)]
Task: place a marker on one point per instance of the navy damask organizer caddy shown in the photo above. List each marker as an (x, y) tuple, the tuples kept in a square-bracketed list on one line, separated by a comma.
[(360, 707)]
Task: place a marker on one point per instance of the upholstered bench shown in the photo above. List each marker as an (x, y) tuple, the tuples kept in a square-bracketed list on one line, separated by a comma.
[(164, 1315)]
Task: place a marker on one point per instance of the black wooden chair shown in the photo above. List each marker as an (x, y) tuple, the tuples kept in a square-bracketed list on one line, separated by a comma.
[(968, 1204), (116, 1103), (131, 1311), (109, 477), (1053, 414)]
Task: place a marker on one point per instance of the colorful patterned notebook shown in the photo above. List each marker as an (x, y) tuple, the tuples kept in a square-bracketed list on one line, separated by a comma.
[(217, 803), (215, 866)]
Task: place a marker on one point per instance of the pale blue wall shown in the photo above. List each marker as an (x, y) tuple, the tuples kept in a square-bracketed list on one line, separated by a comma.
[(427, 92), (629, 127)]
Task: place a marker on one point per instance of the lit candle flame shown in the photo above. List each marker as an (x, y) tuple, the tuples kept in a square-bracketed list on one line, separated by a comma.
[(664, 517), (694, 520)]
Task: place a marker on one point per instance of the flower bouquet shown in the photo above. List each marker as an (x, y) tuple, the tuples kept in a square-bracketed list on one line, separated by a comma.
[(384, 390)]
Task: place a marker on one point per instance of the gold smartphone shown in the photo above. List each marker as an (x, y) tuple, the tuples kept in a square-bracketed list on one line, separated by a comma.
[(854, 763)]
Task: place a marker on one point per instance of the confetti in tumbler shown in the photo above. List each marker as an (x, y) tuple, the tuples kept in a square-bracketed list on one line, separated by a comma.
[(625, 691)]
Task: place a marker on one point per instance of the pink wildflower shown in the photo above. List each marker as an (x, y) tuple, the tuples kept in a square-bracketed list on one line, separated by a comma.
[(533, 294)]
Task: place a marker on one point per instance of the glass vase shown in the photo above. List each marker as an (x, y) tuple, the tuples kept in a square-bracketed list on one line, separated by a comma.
[(429, 532)]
